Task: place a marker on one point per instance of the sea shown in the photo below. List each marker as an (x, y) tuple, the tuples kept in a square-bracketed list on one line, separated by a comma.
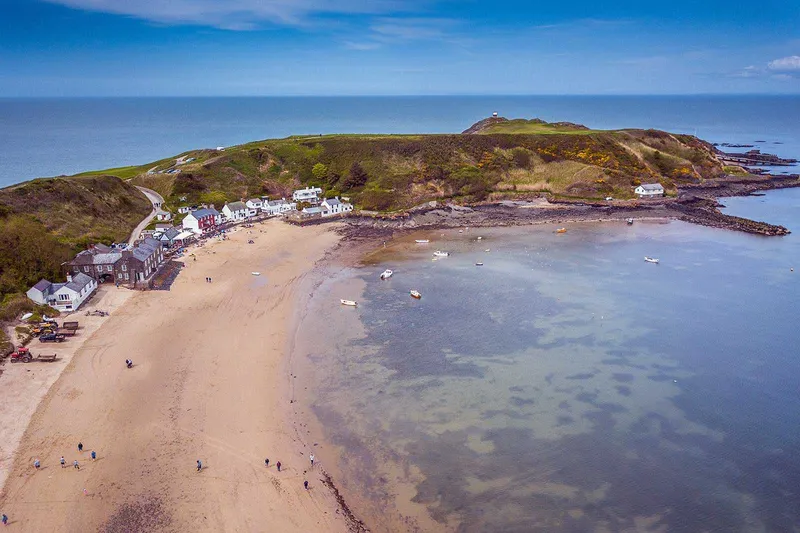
[(48, 137), (564, 385)]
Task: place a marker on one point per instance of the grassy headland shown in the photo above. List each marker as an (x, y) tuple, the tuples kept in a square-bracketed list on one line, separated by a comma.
[(494, 158)]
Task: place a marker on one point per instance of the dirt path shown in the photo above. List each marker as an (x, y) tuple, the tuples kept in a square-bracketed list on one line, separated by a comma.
[(157, 202)]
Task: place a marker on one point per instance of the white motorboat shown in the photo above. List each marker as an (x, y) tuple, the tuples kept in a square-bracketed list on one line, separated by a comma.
[(415, 294), (422, 241), (351, 303), (256, 273), (651, 259), (478, 264), (439, 253), (386, 274)]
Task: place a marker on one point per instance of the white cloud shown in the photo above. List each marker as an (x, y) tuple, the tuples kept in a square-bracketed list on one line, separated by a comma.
[(235, 14), (789, 63), (411, 29)]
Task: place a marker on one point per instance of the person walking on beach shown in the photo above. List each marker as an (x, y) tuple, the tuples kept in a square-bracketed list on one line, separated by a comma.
[(4, 520), (80, 446), (63, 462), (305, 484), (199, 465), (312, 460), (36, 464), (76, 465), (94, 455), (266, 463), (278, 464)]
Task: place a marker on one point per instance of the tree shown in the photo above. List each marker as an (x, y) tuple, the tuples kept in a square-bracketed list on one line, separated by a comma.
[(357, 177), (319, 171)]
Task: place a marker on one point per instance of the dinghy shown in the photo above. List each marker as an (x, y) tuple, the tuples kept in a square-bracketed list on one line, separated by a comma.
[(651, 259), (351, 303), (415, 294), (386, 274), (256, 273), (439, 253), (422, 241)]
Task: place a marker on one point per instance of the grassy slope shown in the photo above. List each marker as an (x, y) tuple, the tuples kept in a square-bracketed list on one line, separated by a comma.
[(44, 222)]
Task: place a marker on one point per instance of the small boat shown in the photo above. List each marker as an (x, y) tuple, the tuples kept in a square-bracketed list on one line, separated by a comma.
[(488, 250), (439, 253), (422, 241), (651, 259), (415, 294), (478, 264), (561, 230), (386, 274), (26, 316), (479, 238), (256, 273), (351, 303), (629, 221)]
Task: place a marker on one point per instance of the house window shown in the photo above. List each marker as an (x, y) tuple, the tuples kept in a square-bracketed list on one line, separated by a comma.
[(108, 268), (86, 269), (119, 275), (63, 297), (126, 276), (124, 268), (99, 268)]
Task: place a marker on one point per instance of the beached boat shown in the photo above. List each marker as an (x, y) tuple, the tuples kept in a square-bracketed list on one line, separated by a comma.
[(478, 264), (561, 230), (256, 273), (415, 294), (629, 221), (386, 274), (422, 241), (651, 259), (439, 253), (351, 303)]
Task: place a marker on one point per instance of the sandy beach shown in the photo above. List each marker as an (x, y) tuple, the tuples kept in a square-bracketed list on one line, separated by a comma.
[(209, 382)]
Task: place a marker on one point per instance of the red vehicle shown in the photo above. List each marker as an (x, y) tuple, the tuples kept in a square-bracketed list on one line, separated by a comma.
[(25, 356)]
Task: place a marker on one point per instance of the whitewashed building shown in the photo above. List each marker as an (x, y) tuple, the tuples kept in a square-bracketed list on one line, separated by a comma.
[(235, 211), (63, 296), (649, 190), (309, 194), (255, 203), (164, 216), (278, 207), (183, 210), (333, 206)]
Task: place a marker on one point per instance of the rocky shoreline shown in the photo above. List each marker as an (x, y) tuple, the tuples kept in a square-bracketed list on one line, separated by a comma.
[(696, 204)]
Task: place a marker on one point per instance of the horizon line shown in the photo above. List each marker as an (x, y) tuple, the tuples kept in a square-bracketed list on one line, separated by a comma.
[(441, 95)]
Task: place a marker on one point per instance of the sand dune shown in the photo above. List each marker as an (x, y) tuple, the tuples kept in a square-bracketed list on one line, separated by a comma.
[(208, 383)]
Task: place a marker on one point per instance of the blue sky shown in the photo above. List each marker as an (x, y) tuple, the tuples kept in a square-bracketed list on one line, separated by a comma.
[(381, 47)]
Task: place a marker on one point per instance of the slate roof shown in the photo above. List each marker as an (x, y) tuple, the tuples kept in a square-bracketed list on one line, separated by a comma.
[(43, 286), (107, 258), (237, 206), (79, 281), (333, 201), (200, 213)]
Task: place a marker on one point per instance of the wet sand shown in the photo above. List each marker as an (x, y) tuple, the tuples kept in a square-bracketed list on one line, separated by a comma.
[(209, 383)]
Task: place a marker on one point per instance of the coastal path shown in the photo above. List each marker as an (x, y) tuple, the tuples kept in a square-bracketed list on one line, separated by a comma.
[(157, 200)]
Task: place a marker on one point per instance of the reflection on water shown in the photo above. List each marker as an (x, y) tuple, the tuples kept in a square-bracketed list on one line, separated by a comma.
[(567, 384)]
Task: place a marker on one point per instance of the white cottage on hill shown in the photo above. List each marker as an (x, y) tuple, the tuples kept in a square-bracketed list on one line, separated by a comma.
[(649, 190), (63, 296), (235, 211), (333, 206)]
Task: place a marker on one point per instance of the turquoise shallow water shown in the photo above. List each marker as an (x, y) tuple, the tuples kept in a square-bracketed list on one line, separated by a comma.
[(567, 385)]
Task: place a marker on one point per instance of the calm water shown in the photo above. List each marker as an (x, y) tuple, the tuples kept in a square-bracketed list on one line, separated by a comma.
[(567, 385), (46, 137)]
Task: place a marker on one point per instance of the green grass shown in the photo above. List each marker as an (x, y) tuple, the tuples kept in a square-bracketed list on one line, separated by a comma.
[(120, 172), (534, 127)]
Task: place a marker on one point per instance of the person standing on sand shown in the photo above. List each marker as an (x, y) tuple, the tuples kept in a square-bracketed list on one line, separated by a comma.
[(278, 464), (76, 465), (5, 520), (312, 460), (199, 465), (36, 464), (94, 455), (305, 484), (63, 462), (80, 446), (266, 463)]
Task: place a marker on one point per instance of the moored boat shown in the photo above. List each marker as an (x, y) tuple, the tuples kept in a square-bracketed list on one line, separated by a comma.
[(561, 230), (651, 259), (422, 241), (629, 221), (386, 274), (415, 294), (478, 264), (439, 253), (351, 303)]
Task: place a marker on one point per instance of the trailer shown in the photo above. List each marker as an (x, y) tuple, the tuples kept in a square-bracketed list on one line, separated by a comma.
[(23, 355), (70, 325)]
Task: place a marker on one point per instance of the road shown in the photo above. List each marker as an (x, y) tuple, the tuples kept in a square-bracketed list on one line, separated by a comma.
[(157, 202)]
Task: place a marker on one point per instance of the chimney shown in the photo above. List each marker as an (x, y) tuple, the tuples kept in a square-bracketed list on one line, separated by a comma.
[(69, 278)]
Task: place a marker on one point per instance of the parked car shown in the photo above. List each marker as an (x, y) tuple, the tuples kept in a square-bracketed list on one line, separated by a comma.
[(52, 337)]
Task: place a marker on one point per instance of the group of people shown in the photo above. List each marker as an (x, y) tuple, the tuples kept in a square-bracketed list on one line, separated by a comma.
[(278, 465), (75, 464)]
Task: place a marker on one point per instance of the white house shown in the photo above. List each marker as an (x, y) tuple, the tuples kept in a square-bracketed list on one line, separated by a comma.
[(333, 206), (201, 220), (183, 210), (235, 211), (164, 216), (255, 203), (278, 207), (649, 190), (309, 194), (63, 296)]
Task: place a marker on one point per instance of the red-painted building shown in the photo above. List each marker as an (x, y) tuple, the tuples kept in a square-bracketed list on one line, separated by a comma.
[(202, 220)]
